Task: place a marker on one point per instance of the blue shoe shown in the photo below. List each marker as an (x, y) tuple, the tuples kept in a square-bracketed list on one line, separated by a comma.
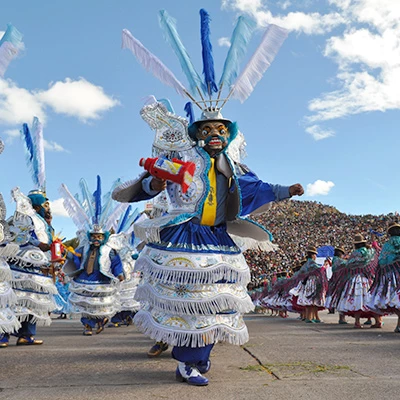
[(204, 368), (309, 321), (341, 322), (190, 375), (4, 338), (28, 341), (368, 323)]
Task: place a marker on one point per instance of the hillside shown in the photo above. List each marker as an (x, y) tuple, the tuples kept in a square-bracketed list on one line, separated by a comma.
[(297, 224)]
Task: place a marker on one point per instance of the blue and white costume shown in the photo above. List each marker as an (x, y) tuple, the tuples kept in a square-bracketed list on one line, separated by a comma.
[(194, 274), (94, 294), (8, 321), (193, 291), (96, 268), (32, 283)]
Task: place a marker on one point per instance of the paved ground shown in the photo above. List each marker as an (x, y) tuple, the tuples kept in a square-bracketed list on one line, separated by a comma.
[(284, 359)]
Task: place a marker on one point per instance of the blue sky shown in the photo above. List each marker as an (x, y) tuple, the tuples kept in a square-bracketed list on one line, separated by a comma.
[(325, 114)]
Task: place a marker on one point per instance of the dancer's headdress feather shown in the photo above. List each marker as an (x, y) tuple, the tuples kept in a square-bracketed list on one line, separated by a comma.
[(239, 86), (94, 213)]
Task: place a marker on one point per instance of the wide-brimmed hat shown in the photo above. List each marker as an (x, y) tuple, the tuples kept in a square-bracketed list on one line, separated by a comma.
[(340, 249), (359, 239), (312, 249), (392, 226)]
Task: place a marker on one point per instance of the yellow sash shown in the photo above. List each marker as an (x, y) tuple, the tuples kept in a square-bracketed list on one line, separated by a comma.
[(210, 205)]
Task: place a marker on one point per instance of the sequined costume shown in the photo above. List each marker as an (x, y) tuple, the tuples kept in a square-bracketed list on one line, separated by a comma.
[(93, 289), (194, 274), (8, 321), (193, 290), (31, 279), (102, 266)]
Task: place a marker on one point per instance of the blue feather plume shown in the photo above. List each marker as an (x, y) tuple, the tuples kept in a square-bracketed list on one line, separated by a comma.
[(26, 134), (168, 26), (10, 45), (240, 39), (127, 219), (97, 201), (13, 36), (132, 218), (189, 112), (122, 222), (107, 203), (31, 158), (38, 140), (208, 61), (87, 199)]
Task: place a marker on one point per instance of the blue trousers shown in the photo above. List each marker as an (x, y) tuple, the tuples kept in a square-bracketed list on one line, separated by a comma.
[(91, 321), (192, 355), (121, 316), (27, 329)]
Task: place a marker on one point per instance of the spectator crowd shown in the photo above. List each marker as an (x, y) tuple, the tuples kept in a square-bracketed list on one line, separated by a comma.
[(297, 224)]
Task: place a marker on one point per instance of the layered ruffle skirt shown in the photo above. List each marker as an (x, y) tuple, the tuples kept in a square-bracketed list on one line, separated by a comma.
[(385, 291), (193, 288), (35, 295), (309, 293), (355, 297), (8, 320), (94, 299)]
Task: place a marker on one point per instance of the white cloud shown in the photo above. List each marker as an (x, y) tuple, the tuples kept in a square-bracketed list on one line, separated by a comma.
[(308, 23), (366, 51), (79, 98), (319, 187), (224, 41), (11, 134), (53, 146), (368, 59), (57, 208), (285, 4), (319, 133), (18, 105)]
